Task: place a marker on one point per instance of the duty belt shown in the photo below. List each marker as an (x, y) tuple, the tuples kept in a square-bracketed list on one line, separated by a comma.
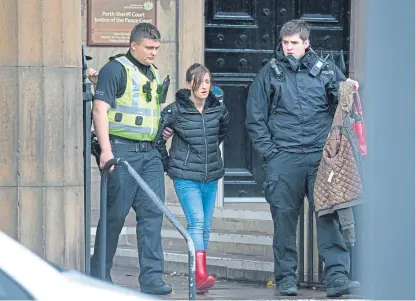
[(131, 145)]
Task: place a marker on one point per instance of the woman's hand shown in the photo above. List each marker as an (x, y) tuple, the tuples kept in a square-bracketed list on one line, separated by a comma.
[(167, 133), (92, 75)]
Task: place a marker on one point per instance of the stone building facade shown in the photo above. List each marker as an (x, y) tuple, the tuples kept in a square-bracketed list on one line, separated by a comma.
[(41, 160)]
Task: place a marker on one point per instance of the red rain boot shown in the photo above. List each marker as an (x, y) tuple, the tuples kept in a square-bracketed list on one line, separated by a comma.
[(202, 279)]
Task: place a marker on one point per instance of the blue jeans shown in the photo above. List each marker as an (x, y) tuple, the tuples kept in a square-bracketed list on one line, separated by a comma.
[(198, 201)]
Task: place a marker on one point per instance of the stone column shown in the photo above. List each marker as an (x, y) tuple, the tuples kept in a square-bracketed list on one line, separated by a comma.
[(191, 36), (41, 161)]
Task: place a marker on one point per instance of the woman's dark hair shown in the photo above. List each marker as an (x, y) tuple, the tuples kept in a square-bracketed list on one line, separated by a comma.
[(197, 73)]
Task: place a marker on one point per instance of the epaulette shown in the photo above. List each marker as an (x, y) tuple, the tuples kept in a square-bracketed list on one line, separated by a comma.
[(112, 58)]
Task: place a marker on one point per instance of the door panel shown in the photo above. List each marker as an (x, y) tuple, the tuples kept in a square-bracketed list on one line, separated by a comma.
[(240, 38), (244, 178), (329, 20)]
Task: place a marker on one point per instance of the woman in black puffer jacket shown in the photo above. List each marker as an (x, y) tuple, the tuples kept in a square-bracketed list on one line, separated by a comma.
[(194, 161)]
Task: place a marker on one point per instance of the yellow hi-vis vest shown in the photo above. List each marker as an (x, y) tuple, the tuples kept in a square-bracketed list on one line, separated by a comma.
[(133, 117)]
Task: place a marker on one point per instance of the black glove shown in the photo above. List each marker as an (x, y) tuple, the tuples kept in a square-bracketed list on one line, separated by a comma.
[(95, 148)]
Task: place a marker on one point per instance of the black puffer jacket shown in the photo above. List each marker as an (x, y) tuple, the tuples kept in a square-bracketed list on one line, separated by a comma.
[(194, 153), (293, 113)]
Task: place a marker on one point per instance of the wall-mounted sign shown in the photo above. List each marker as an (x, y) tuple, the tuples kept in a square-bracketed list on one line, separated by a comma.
[(111, 21)]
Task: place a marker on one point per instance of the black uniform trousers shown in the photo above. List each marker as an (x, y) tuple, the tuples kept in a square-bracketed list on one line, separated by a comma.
[(124, 193), (291, 176)]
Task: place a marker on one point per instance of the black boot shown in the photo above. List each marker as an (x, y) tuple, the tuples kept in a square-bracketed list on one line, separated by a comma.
[(342, 286), (288, 288), (156, 287), (94, 273)]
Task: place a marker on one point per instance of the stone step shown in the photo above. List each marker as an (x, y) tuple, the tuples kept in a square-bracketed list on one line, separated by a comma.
[(222, 265), (244, 243), (253, 244), (242, 237), (230, 224), (225, 220)]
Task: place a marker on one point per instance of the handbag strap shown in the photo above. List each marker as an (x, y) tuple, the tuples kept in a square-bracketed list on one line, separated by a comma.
[(357, 103)]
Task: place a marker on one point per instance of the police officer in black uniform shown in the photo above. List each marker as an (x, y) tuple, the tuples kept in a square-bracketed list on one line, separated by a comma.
[(126, 114), (288, 120)]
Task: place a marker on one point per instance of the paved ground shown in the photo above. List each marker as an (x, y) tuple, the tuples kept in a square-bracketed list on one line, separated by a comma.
[(223, 290)]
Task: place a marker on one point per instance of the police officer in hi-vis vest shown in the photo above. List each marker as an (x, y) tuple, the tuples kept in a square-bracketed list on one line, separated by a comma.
[(126, 114)]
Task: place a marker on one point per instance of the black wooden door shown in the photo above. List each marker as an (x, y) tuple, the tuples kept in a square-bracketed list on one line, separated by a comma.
[(240, 37)]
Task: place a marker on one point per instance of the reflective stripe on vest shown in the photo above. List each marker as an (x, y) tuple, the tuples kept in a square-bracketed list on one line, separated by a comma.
[(135, 130), (133, 117)]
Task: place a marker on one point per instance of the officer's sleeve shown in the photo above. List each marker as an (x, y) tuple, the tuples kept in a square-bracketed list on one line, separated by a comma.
[(110, 81), (339, 76), (161, 147), (224, 121), (258, 114), (166, 119)]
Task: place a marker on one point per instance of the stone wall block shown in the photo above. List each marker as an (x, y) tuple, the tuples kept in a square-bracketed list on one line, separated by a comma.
[(31, 122), (73, 127), (53, 142), (31, 219), (9, 211), (55, 225), (166, 62), (71, 33), (30, 29), (52, 33), (8, 124), (74, 227), (191, 36), (8, 33), (166, 19)]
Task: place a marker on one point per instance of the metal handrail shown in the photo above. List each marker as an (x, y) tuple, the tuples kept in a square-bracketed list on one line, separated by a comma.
[(103, 224)]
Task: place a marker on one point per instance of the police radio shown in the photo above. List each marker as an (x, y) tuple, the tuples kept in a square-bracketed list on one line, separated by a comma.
[(316, 69), (162, 90), (279, 72)]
